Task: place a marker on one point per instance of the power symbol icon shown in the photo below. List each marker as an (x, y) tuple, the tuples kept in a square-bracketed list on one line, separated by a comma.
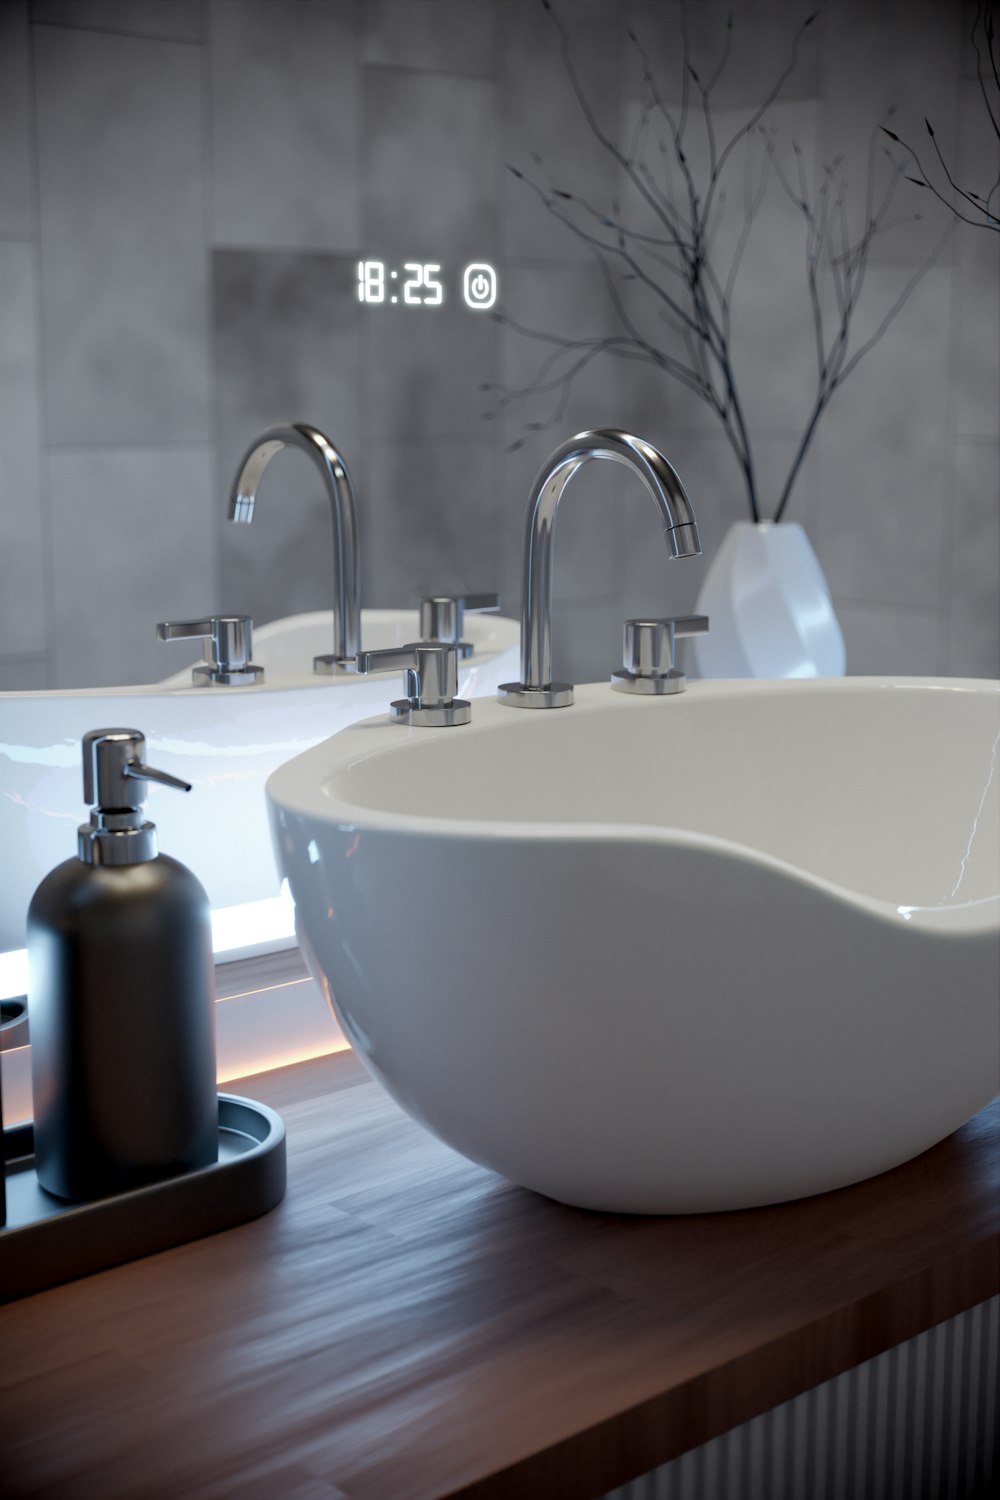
[(479, 286)]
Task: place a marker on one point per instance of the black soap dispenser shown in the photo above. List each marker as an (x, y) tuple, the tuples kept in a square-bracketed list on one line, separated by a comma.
[(121, 998)]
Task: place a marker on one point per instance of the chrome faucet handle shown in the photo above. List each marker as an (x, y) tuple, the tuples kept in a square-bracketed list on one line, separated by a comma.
[(442, 617), (430, 683), (227, 650), (648, 656)]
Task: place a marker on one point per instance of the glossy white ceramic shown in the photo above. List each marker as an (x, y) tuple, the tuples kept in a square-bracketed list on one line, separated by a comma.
[(667, 955), (769, 607), (224, 740)]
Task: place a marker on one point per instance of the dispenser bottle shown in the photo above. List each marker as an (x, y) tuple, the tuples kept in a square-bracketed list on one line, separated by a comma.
[(121, 1000)]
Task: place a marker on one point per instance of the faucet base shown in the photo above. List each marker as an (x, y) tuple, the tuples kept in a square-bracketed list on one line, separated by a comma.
[(430, 716), (518, 695), (205, 675), (624, 681), (336, 666)]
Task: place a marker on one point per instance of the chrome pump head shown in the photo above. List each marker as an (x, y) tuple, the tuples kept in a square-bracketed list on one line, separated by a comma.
[(113, 777)]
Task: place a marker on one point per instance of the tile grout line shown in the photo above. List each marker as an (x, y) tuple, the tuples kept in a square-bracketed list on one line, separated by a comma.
[(132, 36), (946, 574), (51, 448), (217, 530), (41, 381)]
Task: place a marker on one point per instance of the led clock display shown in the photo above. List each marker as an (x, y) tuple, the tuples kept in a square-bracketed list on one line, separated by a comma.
[(419, 284)]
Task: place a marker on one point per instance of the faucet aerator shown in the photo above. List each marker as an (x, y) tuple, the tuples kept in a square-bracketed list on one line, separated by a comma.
[(684, 541), (241, 509)]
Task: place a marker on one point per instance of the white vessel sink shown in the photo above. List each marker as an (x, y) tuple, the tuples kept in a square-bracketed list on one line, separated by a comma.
[(224, 740), (666, 955)]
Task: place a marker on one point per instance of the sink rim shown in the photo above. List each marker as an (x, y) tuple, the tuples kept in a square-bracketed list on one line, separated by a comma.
[(305, 786)]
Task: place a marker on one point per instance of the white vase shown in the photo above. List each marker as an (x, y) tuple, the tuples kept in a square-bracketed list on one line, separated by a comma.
[(768, 606)]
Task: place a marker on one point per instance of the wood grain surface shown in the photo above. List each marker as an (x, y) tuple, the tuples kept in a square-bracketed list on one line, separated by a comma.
[(407, 1326)]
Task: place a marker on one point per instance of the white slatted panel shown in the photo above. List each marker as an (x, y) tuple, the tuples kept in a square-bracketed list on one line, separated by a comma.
[(920, 1422)]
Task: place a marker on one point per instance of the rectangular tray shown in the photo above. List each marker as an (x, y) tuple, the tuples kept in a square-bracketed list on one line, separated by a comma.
[(47, 1241)]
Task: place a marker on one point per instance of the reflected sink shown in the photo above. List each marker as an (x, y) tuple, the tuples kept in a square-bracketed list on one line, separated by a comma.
[(225, 740), (666, 955)]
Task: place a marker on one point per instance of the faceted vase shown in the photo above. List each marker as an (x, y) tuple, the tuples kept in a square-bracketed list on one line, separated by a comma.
[(768, 606)]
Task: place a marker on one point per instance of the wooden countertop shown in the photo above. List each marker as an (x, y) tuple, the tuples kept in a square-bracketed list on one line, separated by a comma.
[(407, 1326)]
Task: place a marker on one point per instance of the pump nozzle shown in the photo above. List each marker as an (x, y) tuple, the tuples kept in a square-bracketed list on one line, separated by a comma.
[(147, 773)]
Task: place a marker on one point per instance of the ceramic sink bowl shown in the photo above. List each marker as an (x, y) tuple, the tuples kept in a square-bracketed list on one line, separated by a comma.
[(666, 955), (224, 740)]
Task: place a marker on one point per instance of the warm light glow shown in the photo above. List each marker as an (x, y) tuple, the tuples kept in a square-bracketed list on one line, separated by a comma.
[(283, 1060), (264, 989)]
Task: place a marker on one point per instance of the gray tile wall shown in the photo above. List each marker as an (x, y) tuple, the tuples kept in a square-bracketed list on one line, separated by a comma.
[(284, 91), (121, 167), (285, 347), (186, 187)]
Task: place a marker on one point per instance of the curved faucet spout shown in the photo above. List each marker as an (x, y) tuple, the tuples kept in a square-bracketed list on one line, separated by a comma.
[(536, 689), (344, 513)]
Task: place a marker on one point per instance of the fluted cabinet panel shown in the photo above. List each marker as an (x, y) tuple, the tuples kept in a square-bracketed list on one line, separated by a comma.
[(919, 1421)]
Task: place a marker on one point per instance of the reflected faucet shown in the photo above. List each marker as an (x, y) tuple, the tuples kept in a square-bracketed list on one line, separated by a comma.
[(344, 513), (536, 689)]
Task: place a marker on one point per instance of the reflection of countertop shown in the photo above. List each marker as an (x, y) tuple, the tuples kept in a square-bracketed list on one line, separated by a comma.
[(406, 1325)]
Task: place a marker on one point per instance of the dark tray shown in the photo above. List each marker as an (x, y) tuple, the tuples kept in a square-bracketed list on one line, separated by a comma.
[(47, 1241)]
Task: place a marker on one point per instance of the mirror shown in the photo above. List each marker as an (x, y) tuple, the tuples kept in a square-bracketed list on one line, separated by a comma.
[(217, 217)]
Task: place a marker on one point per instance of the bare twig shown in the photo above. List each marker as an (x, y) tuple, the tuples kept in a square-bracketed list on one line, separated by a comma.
[(968, 206), (676, 264)]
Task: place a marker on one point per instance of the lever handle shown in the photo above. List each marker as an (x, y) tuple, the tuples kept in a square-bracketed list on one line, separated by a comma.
[(430, 682), (394, 658), (687, 624), (481, 604), (183, 630), (648, 654), (442, 616), (227, 651)]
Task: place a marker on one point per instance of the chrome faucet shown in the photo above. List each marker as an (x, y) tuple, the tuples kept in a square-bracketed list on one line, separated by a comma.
[(431, 683), (344, 513), (536, 689)]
